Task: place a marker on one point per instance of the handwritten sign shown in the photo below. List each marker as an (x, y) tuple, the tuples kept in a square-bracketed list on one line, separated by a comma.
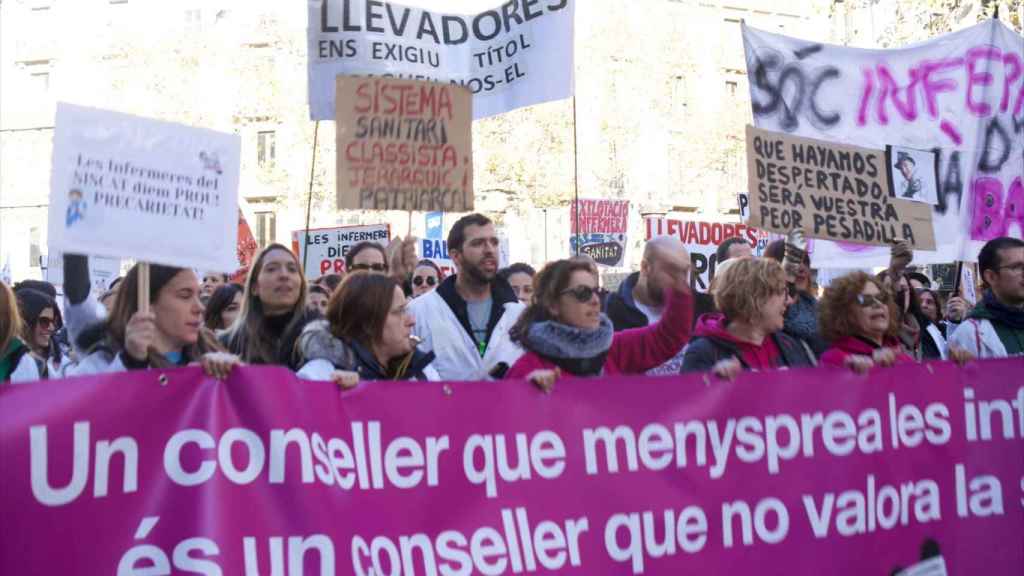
[(130, 187), (599, 228), (831, 191), (404, 145), (328, 246)]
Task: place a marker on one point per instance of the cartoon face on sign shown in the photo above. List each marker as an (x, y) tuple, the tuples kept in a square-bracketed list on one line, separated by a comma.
[(211, 161), (76, 207)]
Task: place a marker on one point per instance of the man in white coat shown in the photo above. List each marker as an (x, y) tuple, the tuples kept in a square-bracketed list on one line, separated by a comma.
[(465, 322)]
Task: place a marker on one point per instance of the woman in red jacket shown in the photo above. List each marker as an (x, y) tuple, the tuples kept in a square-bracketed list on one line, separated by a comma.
[(564, 331), (859, 317)]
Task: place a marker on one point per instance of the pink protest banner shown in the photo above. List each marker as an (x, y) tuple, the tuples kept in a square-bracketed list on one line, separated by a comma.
[(800, 472)]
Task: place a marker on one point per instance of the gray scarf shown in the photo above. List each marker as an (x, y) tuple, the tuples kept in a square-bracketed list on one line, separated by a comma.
[(575, 350)]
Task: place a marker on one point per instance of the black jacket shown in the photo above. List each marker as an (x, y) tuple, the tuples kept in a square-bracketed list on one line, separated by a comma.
[(622, 310), (705, 351)]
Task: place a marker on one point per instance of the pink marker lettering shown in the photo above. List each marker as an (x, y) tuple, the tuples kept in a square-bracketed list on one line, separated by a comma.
[(976, 78), (1013, 72)]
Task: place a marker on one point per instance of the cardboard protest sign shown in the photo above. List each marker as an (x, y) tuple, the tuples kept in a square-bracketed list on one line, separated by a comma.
[(831, 191), (702, 239), (515, 55), (404, 145), (960, 96), (600, 230), (130, 187), (328, 246)]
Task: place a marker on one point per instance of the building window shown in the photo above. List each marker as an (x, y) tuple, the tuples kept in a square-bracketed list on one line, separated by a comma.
[(34, 249), (265, 148), (266, 228)]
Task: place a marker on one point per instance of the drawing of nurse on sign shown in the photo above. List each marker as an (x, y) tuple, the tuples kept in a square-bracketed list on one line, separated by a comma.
[(913, 177)]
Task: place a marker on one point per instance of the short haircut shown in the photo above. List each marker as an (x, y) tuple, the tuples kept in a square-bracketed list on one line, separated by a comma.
[(517, 268), (835, 314), (988, 258), (350, 258), (924, 280), (318, 289), (457, 235), (742, 290), (722, 253)]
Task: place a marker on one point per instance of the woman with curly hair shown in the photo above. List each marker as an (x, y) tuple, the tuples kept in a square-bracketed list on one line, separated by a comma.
[(861, 320)]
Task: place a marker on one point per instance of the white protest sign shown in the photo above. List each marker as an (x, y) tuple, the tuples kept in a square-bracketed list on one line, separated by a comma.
[(102, 272), (509, 56), (702, 239), (328, 246), (130, 187), (967, 284), (960, 95)]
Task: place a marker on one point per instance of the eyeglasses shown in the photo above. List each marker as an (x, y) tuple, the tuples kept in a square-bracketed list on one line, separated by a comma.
[(582, 294), (46, 323), (1017, 268), (374, 267), (868, 300), (419, 280)]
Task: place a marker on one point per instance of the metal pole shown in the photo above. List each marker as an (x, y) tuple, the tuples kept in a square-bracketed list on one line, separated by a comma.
[(576, 175), (309, 200)]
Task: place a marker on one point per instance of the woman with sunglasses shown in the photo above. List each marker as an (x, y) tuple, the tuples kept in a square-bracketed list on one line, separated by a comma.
[(366, 336), (40, 320), (747, 332), (861, 320), (564, 330), (425, 277)]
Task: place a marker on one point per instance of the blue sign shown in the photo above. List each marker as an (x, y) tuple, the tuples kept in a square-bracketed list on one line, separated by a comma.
[(435, 249), (435, 227)]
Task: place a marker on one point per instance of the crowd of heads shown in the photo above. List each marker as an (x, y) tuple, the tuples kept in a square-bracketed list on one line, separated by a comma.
[(756, 306)]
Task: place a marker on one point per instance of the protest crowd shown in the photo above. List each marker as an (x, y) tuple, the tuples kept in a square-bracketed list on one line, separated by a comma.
[(393, 317)]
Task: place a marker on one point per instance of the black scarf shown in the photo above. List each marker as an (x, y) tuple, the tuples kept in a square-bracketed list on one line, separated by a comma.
[(1012, 317), (577, 351)]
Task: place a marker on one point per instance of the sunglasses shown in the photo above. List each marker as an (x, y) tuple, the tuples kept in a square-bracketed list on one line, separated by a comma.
[(867, 300), (374, 267), (46, 323), (582, 294), (419, 280)]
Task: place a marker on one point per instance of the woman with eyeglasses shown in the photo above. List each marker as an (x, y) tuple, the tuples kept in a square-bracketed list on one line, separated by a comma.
[(520, 277), (564, 331), (367, 256), (367, 336), (747, 331), (425, 277), (273, 310), (16, 363), (861, 319)]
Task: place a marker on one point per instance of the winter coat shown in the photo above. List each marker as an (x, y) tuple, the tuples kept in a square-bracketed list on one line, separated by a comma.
[(323, 353), (17, 364), (984, 336), (635, 350), (712, 343), (442, 324), (621, 307), (843, 348), (105, 357)]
